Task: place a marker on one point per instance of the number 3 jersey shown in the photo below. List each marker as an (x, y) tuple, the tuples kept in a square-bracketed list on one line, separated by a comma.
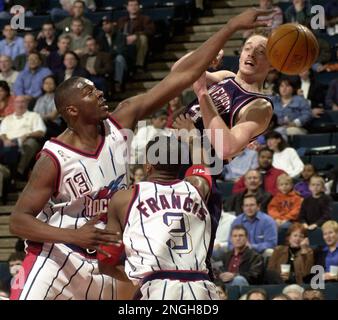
[(86, 181), (167, 227)]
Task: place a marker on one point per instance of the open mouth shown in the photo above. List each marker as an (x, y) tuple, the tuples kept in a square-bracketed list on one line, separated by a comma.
[(249, 63)]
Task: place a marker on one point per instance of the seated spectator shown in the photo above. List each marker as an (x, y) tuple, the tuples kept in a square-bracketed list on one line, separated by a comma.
[(293, 261), (7, 73), (137, 174), (292, 110), (242, 265), (316, 209), (331, 99), (299, 11), (55, 60), (253, 184), (6, 100), (29, 81), (98, 64), (273, 20), (11, 46), (331, 16), (72, 68), (45, 107), (243, 162), (147, 133), (113, 41), (174, 106), (76, 9), (78, 37), (284, 157), (261, 228), (47, 41), (327, 256), (30, 44), (221, 291), (138, 29), (281, 296), (19, 133), (271, 83), (268, 172), (302, 187), (15, 263), (257, 294), (285, 205), (294, 292), (312, 294)]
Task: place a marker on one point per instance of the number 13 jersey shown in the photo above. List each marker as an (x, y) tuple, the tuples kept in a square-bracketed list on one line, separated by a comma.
[(167, 227)]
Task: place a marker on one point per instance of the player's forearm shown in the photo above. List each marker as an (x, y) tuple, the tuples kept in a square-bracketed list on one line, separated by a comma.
[(29, 227)]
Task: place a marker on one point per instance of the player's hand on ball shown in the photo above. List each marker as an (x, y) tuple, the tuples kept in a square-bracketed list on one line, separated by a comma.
[(90, 237), (248, 19), (184, 122)]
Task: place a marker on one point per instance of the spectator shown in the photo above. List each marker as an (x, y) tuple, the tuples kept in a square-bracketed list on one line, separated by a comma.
[(30, 44), (6, 100), (138, 174), (292, 110), (253, 184), (257, 294), (299, 12), (243, 162), (262, 231), (294, 292), (4, 294), (98, 64), (174, 106), (312, 294), (268, 172), (302, 187), (29, 81), (15, 262), (281, 296), (297, 254), (47, 42), (7, 73), (284, 157), (273, 20), (242, 265), (77, 12), (221, 291), (19, 133), (78, 37), (55, 59), (327, 256), (315, 209), (285, 205), (138, 30), (147, 133), (331, 100), (12, 45), (271, 83), (113, 41), (71, 63), (45, 107), (5, 176)]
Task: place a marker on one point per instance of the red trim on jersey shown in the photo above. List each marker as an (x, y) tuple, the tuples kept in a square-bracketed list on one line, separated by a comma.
[(133, 198), (166, 183), (57, 164), (33, 252), (117, 125)]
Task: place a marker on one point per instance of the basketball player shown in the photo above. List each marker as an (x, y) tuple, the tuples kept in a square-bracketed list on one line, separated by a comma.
[(166, 231), (76, 174)]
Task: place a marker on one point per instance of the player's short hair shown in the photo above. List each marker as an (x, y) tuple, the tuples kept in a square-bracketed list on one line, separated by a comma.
[(165, 154)]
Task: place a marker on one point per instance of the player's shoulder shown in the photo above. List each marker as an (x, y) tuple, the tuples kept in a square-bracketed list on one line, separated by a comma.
[(219, 76)]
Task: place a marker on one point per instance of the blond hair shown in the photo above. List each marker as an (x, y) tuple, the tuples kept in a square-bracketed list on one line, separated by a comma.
[(284, 178), (330, 224), (321, 179)]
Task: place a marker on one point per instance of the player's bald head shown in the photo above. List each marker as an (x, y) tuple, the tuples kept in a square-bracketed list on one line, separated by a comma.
[(69, 93)]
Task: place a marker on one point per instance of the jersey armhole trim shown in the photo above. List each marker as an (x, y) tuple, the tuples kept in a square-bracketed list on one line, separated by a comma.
[(57, 166), (132, 201), (117, 125)]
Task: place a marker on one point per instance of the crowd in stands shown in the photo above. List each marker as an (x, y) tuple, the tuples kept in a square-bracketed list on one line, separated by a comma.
[(278, 200)]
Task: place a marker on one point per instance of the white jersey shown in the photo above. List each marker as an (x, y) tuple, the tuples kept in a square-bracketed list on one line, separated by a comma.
[(85, 181), (168, 228)]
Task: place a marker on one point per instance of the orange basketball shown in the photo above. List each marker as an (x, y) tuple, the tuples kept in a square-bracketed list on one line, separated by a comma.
[(292, 48)]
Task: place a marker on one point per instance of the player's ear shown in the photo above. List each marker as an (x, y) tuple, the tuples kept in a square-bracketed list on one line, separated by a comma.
[(72, 110)]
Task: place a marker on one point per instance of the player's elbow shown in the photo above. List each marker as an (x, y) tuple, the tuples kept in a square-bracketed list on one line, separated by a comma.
[(14, 224)]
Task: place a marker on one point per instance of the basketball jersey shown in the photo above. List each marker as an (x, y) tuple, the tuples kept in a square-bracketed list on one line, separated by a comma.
[(85, 181), (167, 228), (229, 98)]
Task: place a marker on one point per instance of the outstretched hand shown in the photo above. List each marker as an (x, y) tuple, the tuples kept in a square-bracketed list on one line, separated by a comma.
[(248, 19)]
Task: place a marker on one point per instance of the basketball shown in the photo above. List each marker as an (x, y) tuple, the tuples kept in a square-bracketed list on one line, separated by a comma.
[(292, 48)]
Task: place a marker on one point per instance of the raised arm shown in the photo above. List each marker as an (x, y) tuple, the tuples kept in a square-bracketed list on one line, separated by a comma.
[(228, 142), (131, 110)]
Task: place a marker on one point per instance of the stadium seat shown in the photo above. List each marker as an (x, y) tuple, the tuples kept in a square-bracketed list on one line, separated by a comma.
[(96, 17), (316, 238), (35, 22), (334, 212), (233, 292), (333, 115), (54, 4), (324, 162), (331, 291), (334, 138), (311, 140), (326, 77)]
